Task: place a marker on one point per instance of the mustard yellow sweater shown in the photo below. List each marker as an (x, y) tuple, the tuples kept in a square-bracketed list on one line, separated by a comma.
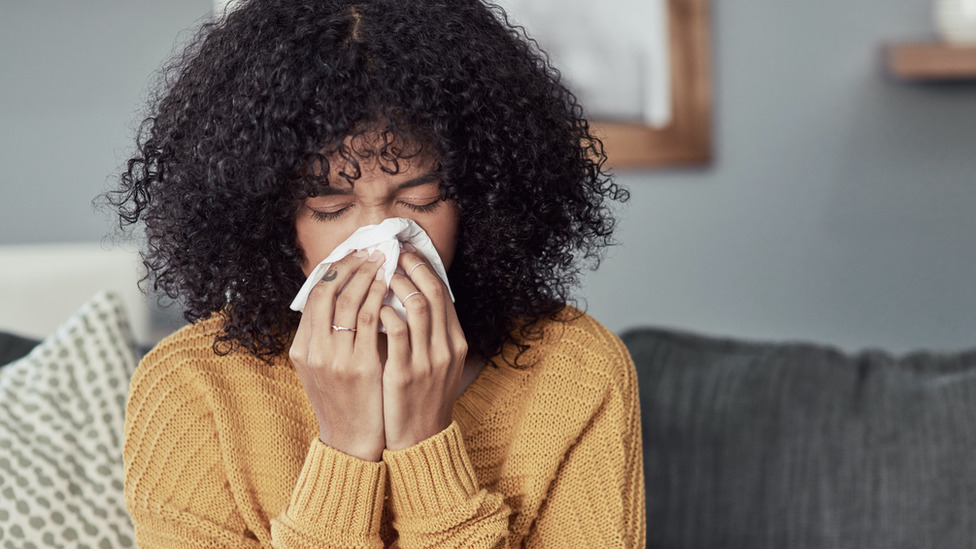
[(224, 452)]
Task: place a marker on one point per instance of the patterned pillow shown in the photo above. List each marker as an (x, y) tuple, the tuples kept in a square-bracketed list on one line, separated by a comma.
[(61, 416)]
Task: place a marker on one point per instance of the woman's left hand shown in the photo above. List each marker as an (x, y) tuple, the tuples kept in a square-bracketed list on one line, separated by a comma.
[(425, 356)]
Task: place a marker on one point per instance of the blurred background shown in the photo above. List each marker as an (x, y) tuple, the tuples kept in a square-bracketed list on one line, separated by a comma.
[(838, 206)]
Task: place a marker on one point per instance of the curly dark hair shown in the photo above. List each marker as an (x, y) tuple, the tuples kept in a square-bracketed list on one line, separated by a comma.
[(222, 158)]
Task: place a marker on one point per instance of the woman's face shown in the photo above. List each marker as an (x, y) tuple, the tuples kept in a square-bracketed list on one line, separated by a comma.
[(324, 221)]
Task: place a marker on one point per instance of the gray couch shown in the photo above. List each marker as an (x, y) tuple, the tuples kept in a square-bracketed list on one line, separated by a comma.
[(759, 445), (752, 445)]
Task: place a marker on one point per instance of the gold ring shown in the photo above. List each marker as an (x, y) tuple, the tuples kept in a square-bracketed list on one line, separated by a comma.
[(404, 300), (337, 328), (414, 268)]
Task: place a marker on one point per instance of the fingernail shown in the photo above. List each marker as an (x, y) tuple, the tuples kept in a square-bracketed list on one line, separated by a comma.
[(359, 253), (409, 247), (376, 256), (379, 273)]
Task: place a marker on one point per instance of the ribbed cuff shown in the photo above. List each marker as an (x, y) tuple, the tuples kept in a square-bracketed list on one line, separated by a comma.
[(338, 492), (431, 477)]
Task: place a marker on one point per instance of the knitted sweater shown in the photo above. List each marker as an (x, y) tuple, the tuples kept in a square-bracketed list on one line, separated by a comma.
[(222, 451)]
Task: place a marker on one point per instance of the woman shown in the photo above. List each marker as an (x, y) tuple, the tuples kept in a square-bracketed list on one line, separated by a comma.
[(506, 418)]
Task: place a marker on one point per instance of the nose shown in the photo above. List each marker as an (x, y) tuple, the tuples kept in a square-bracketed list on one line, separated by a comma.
[(374, 215)]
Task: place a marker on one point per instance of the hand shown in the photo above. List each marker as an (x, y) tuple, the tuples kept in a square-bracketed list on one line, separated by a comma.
[(425, 356), (341, 370)]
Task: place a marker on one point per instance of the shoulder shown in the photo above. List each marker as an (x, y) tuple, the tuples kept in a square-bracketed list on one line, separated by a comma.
[(192, 340), (574, 341), (177, 366), (187, 349), (173, 432), (575, 354), (576, 374)]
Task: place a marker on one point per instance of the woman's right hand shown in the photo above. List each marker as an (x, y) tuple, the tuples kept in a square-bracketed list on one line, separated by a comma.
[(341, 370)]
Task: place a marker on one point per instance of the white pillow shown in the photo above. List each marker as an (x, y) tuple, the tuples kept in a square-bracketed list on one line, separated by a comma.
[(62, 409)]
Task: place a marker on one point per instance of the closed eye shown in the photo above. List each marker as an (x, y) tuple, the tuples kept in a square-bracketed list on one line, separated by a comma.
[(330, 215), (424, 208)]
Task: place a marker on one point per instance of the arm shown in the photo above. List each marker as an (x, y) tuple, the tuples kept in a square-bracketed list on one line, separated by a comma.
[(436, 499), (337, 502), (595, 495), (170, 445), (178, 489)]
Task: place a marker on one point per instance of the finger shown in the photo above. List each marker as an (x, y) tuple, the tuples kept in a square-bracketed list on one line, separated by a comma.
[(299, 345), (397, 338), (351, 297), (454, 330), (367, 323), (414, 263), (418, 311), (320, 307), (416, 267), (453, 322), (433, 288)]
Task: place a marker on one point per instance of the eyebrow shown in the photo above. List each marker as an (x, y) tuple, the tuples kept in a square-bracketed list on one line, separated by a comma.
[(415, 182)]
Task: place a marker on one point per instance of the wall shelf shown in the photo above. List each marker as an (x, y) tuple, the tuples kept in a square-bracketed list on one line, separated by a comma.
[(931, 61)]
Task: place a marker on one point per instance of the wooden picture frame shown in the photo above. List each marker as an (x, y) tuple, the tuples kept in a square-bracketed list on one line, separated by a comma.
[(687, 138)]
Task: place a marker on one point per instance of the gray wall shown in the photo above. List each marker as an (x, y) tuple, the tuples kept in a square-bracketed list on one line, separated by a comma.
[(72, 76), (838, 208)]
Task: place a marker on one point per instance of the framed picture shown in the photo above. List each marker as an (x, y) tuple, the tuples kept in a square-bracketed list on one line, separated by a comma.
[(641, 69)]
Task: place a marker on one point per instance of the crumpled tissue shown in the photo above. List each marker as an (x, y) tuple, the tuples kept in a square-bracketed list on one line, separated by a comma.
[(387, 237)]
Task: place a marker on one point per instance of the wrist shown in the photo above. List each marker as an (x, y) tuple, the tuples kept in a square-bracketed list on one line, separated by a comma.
[(413, 436), (366, 452)]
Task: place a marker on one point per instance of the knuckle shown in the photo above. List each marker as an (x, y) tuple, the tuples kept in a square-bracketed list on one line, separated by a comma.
[(440, 358), (397, 329), (297, 356), (345, 303), (399, 378), (366, 318), (318, 368), (342, 374), (348, 259), (320, 291), (418, 304), (438, 292), (338, 367), (378, 288)]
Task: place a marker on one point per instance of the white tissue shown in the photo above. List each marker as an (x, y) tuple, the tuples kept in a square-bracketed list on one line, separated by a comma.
[(386, 237)]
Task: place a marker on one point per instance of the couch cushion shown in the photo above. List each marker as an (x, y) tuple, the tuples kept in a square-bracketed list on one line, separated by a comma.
[(61, 420), (750, 445)]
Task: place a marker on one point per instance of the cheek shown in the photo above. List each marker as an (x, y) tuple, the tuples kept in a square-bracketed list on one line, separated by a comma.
[(443, 233), (315, 242)]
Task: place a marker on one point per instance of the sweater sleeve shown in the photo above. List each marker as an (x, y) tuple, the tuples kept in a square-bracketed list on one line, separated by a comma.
[(179, 494), (436, 499), (337, 502)]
